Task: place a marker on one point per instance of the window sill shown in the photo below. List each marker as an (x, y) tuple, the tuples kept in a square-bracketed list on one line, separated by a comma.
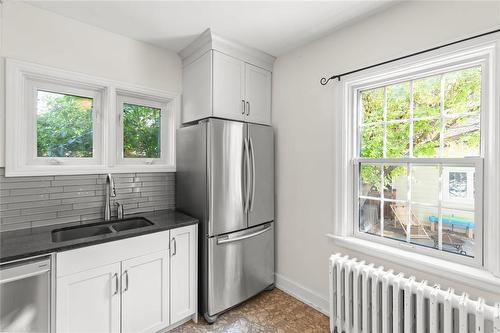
[(85, 170), (474, 277)]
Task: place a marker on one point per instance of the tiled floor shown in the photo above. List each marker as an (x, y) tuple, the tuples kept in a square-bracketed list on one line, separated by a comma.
[(271, 311)]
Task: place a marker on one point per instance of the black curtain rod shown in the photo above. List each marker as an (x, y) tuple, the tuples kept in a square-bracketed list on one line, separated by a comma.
[(324, 80)]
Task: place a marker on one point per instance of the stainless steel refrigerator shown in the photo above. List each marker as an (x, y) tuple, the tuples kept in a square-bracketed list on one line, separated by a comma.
[(225, 178)]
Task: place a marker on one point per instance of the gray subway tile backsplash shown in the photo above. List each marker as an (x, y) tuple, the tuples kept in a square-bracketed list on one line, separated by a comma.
[(39, 201)]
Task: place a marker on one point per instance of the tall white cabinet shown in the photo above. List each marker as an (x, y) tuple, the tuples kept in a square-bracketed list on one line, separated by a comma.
[(226, 80), (141, 284)]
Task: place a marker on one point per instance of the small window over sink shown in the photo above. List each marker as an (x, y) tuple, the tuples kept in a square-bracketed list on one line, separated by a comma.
[(64, 125), (141, 131), (145, 130)]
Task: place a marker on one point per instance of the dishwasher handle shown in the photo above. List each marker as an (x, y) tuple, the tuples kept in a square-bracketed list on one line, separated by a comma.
[(23, 270)]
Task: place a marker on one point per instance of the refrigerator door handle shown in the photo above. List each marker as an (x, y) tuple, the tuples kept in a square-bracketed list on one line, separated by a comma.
[(253, 175), (226, 239), (247, 185)]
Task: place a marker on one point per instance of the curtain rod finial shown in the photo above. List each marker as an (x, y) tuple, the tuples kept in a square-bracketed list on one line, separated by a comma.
[(324, 80)]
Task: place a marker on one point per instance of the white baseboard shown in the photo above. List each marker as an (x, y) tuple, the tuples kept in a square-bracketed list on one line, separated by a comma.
[(303, 294)]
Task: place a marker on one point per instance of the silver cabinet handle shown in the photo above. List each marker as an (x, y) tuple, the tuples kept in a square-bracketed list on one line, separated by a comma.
[(243, 102), (226, 239), (253, 175), (115, 276), (248, 108), (247, 185), (125, 273), (174, 246)]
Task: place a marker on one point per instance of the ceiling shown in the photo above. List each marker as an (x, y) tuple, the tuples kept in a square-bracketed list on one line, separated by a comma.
[(272, 26)]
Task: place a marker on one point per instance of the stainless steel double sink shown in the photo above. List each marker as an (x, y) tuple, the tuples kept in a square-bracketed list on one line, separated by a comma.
[(96, 229)]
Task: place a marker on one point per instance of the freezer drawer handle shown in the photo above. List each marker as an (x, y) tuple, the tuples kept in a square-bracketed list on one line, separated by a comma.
[(225, 239)]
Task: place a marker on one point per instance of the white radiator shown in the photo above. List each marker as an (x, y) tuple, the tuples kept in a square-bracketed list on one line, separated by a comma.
[(365, 298)]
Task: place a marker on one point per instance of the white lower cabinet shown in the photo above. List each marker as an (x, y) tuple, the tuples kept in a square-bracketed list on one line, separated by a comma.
[(145, 289), (183, 273), (138, 284), (89, 301)]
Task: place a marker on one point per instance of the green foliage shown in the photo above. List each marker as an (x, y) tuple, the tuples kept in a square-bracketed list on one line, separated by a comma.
[(398, 101), (64, 127), (461, 93), (141, 131), (372, 102)]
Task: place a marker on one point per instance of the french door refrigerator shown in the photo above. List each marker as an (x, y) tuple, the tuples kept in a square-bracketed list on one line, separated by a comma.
[(225, 178)]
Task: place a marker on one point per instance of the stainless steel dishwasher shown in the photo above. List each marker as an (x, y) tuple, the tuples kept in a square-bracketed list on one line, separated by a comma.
[(26, 296)]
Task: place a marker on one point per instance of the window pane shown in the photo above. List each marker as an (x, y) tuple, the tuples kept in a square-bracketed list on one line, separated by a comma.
[(426, 138), (458, 231), (427, 97), (398, 140), (141, 131), (398, 101), (372, 141), (63, 125), (425, 184), (369, 216), (462, 91), (372, 102), (395, 220), (395, 182), (425, 225), (462, 137), (370, 180)]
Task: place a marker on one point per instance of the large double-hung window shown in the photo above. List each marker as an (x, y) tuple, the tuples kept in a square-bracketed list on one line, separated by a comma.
[(418, 159)]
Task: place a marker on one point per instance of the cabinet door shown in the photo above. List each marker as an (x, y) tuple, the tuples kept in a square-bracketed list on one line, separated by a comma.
[(196, 89), (145, 289), (228, 87), (183, 263), (89, 301), (258, 94)]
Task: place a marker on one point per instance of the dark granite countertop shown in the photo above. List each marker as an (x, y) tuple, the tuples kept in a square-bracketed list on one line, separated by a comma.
[(30, 242)]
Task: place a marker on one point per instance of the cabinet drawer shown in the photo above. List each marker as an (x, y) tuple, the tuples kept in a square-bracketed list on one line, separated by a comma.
[(77, 260)]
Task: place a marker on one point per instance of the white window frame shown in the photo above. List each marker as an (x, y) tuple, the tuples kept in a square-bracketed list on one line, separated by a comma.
[(22, 80), (33, 86), (480, 273), (167, 129)]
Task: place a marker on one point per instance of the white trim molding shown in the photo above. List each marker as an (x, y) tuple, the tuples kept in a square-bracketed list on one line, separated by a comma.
[(209, 41), (482, 50), (303, 294), (20, 76)]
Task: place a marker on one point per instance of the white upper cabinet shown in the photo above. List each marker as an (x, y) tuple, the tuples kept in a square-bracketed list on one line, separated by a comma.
[(228, 87), (258, 94), (226, 80)]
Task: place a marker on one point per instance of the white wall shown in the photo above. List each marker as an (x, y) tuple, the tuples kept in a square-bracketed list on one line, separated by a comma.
[(32, 34), (303, 120)]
